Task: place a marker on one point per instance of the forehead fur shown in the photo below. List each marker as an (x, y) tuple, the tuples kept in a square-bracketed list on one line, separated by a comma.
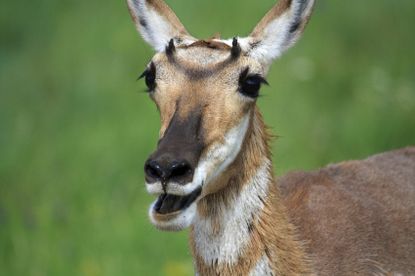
[(203, 59), (202, 78), (201, 55)]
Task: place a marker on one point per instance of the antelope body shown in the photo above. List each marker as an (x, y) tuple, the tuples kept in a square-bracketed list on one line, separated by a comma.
[(212, 169)]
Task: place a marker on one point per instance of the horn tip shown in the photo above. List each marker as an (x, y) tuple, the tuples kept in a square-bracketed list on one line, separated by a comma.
[(170, 48), (236, 48)]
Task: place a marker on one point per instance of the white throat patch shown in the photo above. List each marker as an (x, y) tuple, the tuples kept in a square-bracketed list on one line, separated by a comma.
[(210, 166), (226, 246)]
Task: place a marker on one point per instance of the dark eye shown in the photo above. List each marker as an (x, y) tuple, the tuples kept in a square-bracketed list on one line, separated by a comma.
[(150, 77), (249, 84)]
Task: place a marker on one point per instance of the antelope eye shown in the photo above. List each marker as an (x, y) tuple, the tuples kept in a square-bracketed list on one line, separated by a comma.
[(150, 77), (249, 84)]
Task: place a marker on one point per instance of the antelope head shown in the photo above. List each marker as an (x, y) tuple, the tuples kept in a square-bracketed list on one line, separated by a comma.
[(205, 91)]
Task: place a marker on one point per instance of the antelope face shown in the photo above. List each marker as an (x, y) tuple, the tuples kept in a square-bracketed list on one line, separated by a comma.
[(205, 92), (205, 97)]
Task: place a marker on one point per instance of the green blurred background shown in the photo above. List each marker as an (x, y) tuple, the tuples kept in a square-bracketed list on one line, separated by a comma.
[(76, 128)]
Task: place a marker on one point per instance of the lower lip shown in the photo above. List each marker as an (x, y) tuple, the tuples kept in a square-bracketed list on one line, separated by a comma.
[(187, 202)]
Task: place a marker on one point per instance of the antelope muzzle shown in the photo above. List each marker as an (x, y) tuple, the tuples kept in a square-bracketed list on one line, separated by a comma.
[(170, 169)]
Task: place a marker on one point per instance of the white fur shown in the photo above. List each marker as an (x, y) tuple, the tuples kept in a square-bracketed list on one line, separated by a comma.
[(217, 159), (273, 43), (211, 165), (262, 268), (158, 30), (226, 246), (244, 43), (220, 156), (183, 220), (276, 37)]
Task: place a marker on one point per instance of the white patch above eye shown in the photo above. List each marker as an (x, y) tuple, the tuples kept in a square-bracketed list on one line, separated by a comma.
[(226, 246)]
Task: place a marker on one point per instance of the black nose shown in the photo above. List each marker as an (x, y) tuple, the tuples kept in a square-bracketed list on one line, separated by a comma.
[(165, 171)]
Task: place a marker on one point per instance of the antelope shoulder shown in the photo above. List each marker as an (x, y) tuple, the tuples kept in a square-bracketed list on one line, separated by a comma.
[(356, 215)]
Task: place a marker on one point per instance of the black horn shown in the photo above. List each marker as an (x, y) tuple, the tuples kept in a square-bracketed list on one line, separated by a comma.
[(171, 48), (236, 49)]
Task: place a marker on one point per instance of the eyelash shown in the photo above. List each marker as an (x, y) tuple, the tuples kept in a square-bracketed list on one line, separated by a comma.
[(250, 84), (150, 77)]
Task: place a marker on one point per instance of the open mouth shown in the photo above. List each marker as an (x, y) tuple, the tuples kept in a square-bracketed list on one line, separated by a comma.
[(167, 204)]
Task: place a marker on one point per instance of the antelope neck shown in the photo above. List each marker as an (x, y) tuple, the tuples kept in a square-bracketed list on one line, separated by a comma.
[(243, 229)]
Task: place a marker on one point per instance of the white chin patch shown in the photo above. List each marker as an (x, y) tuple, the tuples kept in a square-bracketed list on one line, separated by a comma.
[(211, 165), (173, 222)]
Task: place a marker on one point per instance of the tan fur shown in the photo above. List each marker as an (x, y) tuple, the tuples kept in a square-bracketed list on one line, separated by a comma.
[(214, 92), (353, 218), (210, 43), (272, 233), (358, 216)]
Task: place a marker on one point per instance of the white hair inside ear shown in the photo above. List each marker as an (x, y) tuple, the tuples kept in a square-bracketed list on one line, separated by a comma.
[(281, 27), (157, 23)]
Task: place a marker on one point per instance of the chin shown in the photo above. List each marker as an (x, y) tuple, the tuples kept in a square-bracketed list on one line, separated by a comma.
[(174, 213)]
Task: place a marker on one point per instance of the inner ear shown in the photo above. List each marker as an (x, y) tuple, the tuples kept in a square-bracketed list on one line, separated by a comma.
[(157, 23), (280, 28)]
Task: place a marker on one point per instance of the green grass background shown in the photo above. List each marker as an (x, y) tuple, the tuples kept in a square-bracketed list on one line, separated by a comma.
[(75, 128)]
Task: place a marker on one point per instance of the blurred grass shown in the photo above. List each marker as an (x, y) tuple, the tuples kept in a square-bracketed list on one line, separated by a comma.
[(75, 128)]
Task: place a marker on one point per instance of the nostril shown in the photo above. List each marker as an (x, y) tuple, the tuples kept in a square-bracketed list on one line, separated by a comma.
[(177, 171), (153, 170), (181, 169)]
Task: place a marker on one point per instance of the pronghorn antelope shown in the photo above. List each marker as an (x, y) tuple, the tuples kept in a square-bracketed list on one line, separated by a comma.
[(212, 169)]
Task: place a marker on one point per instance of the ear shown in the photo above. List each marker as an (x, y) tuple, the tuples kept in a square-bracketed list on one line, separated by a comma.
[(281, 27), (156, 22)]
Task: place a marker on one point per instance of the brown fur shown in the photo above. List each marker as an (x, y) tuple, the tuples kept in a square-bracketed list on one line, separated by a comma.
[(271, 233), (357, 216), (353, 218), (213, 44), (180, 90), (253, 153)]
